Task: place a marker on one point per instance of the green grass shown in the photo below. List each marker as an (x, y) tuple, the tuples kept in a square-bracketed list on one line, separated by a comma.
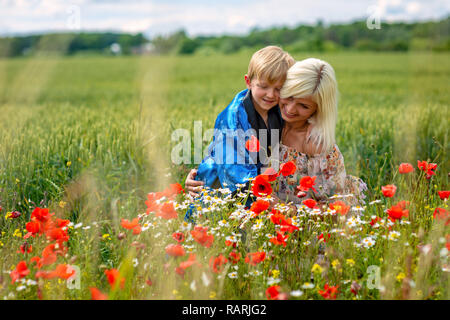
[(95, 132)]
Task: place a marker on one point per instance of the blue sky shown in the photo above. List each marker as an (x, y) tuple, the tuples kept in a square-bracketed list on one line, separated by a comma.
[(201, 17)]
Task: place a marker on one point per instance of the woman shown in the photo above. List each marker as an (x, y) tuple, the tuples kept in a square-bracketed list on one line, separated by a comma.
[(308, 104)]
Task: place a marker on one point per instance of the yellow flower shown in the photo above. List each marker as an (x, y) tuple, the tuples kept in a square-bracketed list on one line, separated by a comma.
[(62, 204), (275, 273), (316, 268), (400, 276), (1, 244), (69, 163), (335, 263), (106, 236), (212, 294), (350, 262), (8, 215), (17, 233), (175, 292)]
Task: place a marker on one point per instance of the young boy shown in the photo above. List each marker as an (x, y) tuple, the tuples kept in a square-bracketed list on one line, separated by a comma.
[(256, 107)]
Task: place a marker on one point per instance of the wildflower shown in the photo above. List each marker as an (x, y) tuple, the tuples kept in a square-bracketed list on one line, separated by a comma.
[(335, 263), (114, 278), (444, 194), (217, 263), (297, 293), (442, 215), (310, 203), (234, 257), (97, 294), (62, 204), (26, 248), (178, 236), (401, 276), (106, 236), (201, 236), (280, 239), (427, 167), (393, 235), (259, 206), (324, 238), (307, 183), (340, 207), (175, 250), (308, 285), (261, 186), (19, 272), (396, 212), (368, 242), (288, 168), (252, 144), (329, 292), (233, 275), (271, 174), (405, 168), (316, 268), (350, 262), (273, 292), (389, 190), (167, 211), (255, 258), (355, 287)]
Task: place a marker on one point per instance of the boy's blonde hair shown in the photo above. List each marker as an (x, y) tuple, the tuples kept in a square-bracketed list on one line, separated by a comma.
[(270, 63), (315, 79)]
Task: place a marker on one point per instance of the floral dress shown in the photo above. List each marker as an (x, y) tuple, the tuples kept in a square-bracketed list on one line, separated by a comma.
[(331, 178)]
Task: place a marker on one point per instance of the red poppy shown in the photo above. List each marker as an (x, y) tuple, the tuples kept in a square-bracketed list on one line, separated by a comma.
[(254, 258), (217, 263), (234, 257), (33, 227), (273, 292), (403, 204), (200, 234), (176, 188), (167, 211), (178, 236), (444, 194), (310, 203), (261, 186), (374, 221), (189, 262), (405, 168), (288, 168), (271, 174), (129, 224), (57, 234), (175, 250), (252, 144), (340, 207), (62, 271), (389, 190), (329, 292), (323, 237), (19, 272), (307, 183), (26, 248), (396, 212), (14, 214), (427, 167), (114, 278), (259, 206), (280, 239), (97, 294), (41, 214), (442, 214)]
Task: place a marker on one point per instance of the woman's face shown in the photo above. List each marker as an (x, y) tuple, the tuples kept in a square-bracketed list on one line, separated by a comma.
[(297, 109)]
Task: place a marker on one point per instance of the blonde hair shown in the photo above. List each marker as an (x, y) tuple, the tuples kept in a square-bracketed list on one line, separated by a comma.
[(270, 63), (315, 79)]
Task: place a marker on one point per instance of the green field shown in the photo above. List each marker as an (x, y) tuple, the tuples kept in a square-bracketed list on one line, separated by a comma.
[(95, 133)]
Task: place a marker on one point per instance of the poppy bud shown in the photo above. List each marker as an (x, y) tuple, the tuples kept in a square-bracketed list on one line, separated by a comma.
[(15, 214), (121, 236), (355, 287), (301, 194)]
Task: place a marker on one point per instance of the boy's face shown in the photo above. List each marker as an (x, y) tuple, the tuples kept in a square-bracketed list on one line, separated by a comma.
[(265, 95)]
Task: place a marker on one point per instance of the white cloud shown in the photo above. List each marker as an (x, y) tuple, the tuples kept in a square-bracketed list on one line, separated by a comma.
[(201, 16)]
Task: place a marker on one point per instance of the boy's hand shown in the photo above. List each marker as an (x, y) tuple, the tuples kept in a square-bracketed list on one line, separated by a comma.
[(191, 185)]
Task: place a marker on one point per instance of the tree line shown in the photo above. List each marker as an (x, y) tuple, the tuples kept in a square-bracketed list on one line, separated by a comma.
[(399, 36)]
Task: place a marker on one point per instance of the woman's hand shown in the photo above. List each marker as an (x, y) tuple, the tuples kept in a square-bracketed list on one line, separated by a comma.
[(191, 185)]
